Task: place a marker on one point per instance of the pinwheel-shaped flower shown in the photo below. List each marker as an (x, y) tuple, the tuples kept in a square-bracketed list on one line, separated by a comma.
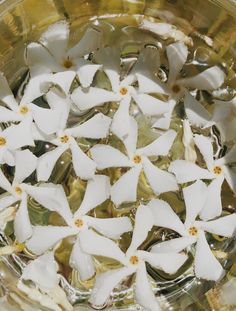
[(217, 170), (95, 128), (133, 261), (51, 53), (50, 196), (123, 89), (160, 181), (45, 237), (193, 231)]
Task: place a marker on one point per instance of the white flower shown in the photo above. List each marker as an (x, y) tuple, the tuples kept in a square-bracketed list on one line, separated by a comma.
[(46, 237), (192, 231), (51, 53), (50, 196), (160, 181), (133, 261), (217, 170), (95, 128), (188, 142), (123, 91)]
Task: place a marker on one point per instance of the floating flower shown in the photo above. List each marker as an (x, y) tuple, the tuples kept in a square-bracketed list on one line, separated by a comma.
[(133, 262), (217, 170), (51, 53), (160, 181), (123, 89), (192, 231), (46, 237), (95, 128)]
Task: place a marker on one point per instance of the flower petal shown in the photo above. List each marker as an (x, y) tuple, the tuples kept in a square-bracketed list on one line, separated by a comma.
[(7, 201), (82, 262), (4, 182), (161, 146), (7, 115), (46, 237), (195, 198), (52, 197), (206, 265), (106, 156), (209, 79), (6, 94), (84, 167), (97, 192), (177, 54), (169, 262), (130, 141), (112, 228), (223, 226), (86, 99), (22, 226), (143, 291), (230, 157), (62, 79), (213, 206), (175, 245), (47, 162), (147, 85), (164, 121), (204, 145), (95, 128), (150, 106), (105, 283), (86, 71), (143, 224), (186, 171), (159, 180), (42, 271), (97, 245), (188, 142), (121, 119), (230, 176), (26, 163), (120, 193), (7, 157), (164, 216)]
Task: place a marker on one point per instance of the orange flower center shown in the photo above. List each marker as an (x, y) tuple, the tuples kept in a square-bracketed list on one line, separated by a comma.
[(18, 190), (134, 260), (24, 109), (2, 141), (193, 231), (123, 90), (176, 88), (79, 223), (64, 139), (137, 159), (67, 63), (217, 170)]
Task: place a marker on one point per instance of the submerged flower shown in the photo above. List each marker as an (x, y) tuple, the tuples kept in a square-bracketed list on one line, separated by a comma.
[(95, 128), (51, 53), (160, 181), (46, 237), (123, 90), (192, 231), (217, 170), (133, 261)]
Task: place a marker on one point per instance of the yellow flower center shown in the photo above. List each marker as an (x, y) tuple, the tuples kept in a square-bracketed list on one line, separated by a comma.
[(64, 139), (24, 109), (2, 141), (123, 90), (176, 88), (217, 170), (137, 159), (67, 63), (193, 231), (18, 190), (79, 223), (134, 260)]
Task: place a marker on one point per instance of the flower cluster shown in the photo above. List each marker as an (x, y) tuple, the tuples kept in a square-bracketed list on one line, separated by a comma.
[(66, 79)]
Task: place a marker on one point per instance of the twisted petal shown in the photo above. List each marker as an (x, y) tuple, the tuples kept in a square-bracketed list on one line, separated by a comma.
[(22, 225), (120, 193), (46, 237), (7, 115), (161, 146), (188, 142), (174, 245), (47, 162), (164, 216), (204, 145), (42, 271), (121, 119), (106, 156), (84, 167), (143, 291), (112, 228), (86, 99), (159, 180), (25, 164), (62, 79), (97, 192), (95, 244), (143, 224), (150, 106), (86, 71), (147, 85), (6, 94), (195, 198), (164, 121), (106, 282), (7, 157), (82, 262), (224, 226), (95, 128), (206, 265), (186, 171), (210, 79), (7, 201)]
